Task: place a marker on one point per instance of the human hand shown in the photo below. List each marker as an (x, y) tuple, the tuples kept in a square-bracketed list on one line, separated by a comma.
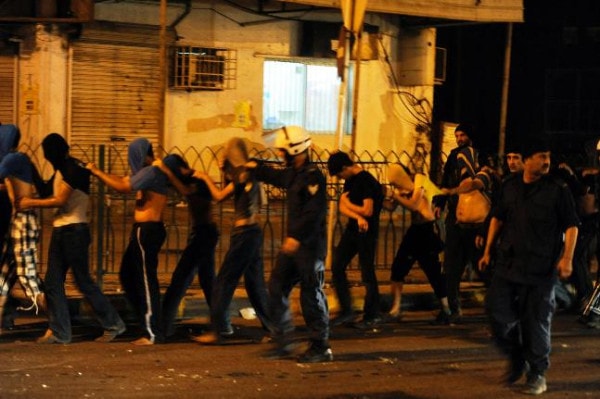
[(565, 267), (483, 262), (363, 225), (92, 168), (290, 246)]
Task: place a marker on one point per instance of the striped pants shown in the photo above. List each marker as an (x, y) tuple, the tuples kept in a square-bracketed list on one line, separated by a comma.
[(20, 264)]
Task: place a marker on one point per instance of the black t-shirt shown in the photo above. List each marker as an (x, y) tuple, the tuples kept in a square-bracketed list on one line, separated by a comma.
[(360, 187), (200, 203)]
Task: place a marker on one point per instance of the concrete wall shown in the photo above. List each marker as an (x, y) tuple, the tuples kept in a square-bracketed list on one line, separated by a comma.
[(204, 118)]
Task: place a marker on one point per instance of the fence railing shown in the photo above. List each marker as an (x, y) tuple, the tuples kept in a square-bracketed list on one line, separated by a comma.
[(112, 212)]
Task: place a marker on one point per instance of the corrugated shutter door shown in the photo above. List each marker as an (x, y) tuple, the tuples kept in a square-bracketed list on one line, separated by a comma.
[(7, 88), (115, 87)]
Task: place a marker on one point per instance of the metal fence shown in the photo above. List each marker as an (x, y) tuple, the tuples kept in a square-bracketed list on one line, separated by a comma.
[(112, 212)]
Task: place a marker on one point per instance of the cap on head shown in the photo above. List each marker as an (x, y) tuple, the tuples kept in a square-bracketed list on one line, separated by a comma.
[(467, 129), (293, 139), (533, 146), (337, 161)]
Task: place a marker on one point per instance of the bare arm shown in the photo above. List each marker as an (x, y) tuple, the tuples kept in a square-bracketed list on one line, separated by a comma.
[(120, 183), (57, 200), (365, 210), (217, 194), (467, 185), (411, 203), (182, 188), (565, 263)]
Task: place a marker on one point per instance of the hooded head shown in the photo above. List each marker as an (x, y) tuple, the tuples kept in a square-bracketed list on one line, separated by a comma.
[(175, 163), (10, 135), (56, 149), (235, 155), (138, 152)]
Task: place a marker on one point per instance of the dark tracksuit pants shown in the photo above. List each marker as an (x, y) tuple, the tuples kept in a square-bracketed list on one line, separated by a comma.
[(139, 276)]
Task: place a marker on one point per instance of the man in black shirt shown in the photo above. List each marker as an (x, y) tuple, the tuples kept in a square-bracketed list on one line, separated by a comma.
[(361, 202), (534, 212)]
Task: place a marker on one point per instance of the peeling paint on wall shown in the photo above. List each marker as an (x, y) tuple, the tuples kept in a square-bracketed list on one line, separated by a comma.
[(201, 125)]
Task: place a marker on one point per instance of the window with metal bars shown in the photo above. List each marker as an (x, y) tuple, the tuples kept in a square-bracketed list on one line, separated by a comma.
[(203, 68)]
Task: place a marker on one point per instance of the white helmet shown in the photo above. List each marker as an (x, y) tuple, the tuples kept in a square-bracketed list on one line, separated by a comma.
[(293, 139)]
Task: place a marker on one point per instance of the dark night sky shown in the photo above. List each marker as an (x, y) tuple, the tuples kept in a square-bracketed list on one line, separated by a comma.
[(472, 91)]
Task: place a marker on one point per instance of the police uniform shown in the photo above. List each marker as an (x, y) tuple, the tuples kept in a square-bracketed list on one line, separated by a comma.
[(520, 300), (306, 222)]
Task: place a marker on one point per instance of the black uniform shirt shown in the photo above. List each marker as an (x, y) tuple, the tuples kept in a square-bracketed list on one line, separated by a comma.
[(306, 203), (534, 217)]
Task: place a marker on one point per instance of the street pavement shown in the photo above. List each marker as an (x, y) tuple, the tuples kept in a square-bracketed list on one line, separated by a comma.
[(399, 359)]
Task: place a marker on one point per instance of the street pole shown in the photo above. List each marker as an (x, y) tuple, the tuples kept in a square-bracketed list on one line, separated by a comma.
[(162, 65), (505, 84)]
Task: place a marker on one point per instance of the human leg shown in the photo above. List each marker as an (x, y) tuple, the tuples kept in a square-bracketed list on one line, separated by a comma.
[(59, 319), (75, 249), (315, 309), (25, 236), (344, 252), (254, 281), (198, 255), (366, 258), (503, 308)]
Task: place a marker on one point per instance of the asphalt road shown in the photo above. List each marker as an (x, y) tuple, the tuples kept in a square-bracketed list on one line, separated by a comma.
[(410, 359)]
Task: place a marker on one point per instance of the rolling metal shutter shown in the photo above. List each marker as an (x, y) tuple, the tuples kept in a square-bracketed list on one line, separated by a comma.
[(115, 86), (8, 67)]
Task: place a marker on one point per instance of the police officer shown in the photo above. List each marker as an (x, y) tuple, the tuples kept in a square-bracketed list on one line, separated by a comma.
[(534, 212), (302, 254)]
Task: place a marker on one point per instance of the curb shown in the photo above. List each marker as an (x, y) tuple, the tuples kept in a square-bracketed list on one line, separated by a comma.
[(417, 297)]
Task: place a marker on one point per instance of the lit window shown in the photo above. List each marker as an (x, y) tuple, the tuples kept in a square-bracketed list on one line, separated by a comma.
[(302, 94)]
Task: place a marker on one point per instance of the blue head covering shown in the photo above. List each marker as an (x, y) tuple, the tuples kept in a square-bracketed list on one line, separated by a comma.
[(9, 139), (138, 150)]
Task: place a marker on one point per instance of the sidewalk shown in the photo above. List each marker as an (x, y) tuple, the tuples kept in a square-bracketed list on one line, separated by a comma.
[(417, 295)]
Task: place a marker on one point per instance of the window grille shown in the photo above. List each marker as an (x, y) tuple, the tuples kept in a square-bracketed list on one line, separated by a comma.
[(203, 68)]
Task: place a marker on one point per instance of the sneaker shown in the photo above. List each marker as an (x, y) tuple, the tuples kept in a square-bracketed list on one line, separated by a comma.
[(316, 355), (112, 333), (393, 317), (280, 352), (341, 319), (368, 324), (442, 318), (50, 338), (593, 321), (516, 370), (455, 318), (536, 384)]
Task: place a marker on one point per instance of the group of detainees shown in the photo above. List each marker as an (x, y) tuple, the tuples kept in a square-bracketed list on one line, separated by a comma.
[(527, 229)]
